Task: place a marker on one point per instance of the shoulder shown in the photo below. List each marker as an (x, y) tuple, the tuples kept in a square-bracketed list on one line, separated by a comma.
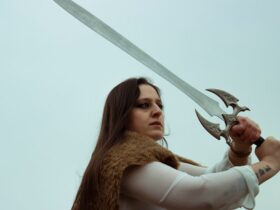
[(137, 149)]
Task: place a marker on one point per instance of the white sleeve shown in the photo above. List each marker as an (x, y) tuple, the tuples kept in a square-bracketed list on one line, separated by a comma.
[(192, 169), (169, 188), (222, 165)]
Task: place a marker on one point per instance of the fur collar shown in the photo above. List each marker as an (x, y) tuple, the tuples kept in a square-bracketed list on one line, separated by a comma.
[(134, 150)]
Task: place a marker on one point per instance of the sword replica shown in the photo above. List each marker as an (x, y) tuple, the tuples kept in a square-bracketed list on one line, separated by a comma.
[(208, 104)]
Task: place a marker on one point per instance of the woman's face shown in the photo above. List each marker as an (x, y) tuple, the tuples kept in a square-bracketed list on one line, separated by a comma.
[(147, 116)]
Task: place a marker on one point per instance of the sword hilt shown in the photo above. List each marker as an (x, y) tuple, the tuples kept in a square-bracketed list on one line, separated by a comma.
[(229, 119)]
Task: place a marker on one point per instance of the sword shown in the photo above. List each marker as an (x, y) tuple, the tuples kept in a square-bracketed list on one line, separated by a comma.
[(210, 105)]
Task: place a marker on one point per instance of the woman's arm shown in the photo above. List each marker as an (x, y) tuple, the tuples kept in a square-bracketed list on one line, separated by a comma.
[(192, 169), (269, 156), (172, 189), (169, 188), (222, 165)]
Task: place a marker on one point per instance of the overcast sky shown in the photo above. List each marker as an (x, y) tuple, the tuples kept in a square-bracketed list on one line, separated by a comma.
[(55, 74)]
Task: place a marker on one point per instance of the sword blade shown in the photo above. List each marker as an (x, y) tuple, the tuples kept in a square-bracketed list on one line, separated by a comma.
[(210, 105)]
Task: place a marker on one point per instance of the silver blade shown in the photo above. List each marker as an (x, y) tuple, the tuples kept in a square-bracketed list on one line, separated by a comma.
[(208, 104)]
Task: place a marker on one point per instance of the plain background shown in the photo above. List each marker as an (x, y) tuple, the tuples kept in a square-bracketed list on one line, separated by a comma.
[(55, 74)]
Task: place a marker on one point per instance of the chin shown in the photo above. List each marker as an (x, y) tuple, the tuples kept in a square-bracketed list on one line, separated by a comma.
[(156, 135)]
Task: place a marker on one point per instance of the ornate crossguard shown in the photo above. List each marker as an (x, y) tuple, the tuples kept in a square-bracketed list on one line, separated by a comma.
[(229, 119)]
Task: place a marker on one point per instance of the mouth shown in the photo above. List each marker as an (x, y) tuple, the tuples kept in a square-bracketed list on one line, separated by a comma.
[(156, 124)]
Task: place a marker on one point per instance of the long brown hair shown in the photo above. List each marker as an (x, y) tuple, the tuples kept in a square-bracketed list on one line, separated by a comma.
[(118, 106)]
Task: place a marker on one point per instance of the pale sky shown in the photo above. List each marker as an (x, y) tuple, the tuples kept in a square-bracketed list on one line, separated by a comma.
[(55, 74)]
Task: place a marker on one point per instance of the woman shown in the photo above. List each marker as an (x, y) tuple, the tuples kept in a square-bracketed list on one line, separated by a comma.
[(128, 170)]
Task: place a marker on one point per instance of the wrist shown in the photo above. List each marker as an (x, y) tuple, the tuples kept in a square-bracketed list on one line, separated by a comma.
[(240, 153), (264, 170), (241, 150), (271, 162), (238, 159)]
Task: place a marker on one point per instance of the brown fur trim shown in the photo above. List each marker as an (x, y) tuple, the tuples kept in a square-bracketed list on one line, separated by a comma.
[(135, 150)]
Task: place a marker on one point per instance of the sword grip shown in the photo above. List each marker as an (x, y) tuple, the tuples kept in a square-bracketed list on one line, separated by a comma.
[(259, 142)]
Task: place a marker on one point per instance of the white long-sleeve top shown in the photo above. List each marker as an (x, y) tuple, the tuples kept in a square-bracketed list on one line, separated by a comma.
[(156, 186)]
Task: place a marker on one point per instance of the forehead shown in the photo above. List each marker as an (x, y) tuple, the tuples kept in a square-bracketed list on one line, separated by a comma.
[(147, 91)]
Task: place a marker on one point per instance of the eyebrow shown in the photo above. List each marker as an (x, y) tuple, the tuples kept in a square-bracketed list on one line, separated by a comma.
[(149, 99)]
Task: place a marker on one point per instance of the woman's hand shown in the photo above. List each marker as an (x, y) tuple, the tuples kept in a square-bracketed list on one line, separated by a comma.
[(244, 134)]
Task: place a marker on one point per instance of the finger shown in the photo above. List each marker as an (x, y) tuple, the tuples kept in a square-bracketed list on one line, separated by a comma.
[(237, 129), (251, 137), (250, 134), (255, 136)]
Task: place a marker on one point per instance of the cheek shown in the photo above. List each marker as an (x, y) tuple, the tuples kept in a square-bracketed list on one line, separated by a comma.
[(133, 121), (138, 121)]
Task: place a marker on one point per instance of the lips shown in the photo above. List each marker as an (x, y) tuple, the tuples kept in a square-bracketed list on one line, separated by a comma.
[(156, 123)]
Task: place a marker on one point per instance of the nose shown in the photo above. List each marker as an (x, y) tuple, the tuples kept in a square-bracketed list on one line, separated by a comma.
[(157, 111)]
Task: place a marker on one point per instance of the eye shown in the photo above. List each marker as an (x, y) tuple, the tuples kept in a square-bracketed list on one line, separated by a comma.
[(160, 106), (143, 105)]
